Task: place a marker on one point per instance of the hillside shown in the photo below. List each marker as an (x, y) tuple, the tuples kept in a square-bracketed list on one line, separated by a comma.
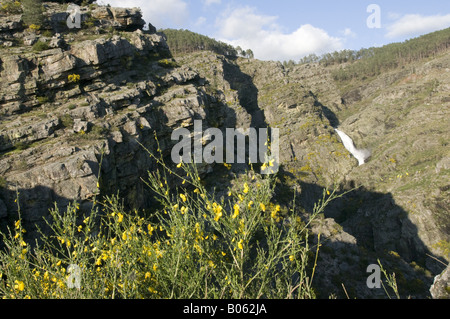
[(184, 41), (76, 107)]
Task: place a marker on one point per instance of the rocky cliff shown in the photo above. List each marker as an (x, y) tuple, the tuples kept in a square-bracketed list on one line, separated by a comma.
[(75, 113)]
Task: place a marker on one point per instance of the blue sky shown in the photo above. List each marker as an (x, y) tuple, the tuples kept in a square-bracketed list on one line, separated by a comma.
[(288, 29)]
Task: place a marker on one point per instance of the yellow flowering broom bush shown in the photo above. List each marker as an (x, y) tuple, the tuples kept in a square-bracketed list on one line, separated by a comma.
[(194, 246)]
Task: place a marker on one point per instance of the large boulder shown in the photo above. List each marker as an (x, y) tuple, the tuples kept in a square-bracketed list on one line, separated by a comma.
[(441, 286), (129, 19), (11, 23)]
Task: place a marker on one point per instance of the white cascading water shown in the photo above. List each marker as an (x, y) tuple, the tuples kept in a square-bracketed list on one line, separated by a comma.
[(360, 154)]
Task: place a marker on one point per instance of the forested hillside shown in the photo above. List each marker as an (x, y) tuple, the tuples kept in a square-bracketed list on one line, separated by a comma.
[(185, 41), (374, 61)]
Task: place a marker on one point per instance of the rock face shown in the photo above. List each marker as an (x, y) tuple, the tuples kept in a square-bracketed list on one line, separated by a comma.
[(120, 18), (441, 286), (74, 118)]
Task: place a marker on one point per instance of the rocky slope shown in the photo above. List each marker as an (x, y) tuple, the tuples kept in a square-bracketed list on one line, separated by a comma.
[(72, 117), (63, 108), (401, 209)]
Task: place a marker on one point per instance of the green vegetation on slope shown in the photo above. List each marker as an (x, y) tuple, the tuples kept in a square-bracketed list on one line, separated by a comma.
[(374, 61), (185, 41), (366, 63)]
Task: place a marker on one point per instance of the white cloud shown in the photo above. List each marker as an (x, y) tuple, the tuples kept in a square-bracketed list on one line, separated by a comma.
[(210, 2), (200, 21), (267, 39), (393, 15), (160, 13), (416, 24), (349, 33)]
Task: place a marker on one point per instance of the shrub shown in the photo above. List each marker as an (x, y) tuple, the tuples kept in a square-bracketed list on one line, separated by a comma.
[(42, 99), (166, 63), (11, 7), (98, 131), (47, 34), (20, 146), (194, 246), (66, 121), (34, 27), (32, 12), (73, 78), (40, 46), (90, 22)]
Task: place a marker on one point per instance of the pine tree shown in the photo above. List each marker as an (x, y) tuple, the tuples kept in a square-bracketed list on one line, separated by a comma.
[(249, 54), (32, 12)]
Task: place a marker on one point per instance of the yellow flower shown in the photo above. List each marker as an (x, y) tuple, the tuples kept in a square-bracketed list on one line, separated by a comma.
[(217, 211), (291, 258), (245, 188), (147, 275), (19, 285), (262, 206), (183, 197), (217, 216), (150, 229), (17, 224), (34, 27), (236, 211), (73, 78), (250, 203), (240, 244), (120, 217), (274, 214), (179, 165)]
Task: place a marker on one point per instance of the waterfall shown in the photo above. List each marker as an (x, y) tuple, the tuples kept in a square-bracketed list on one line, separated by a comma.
[(360, 154)]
